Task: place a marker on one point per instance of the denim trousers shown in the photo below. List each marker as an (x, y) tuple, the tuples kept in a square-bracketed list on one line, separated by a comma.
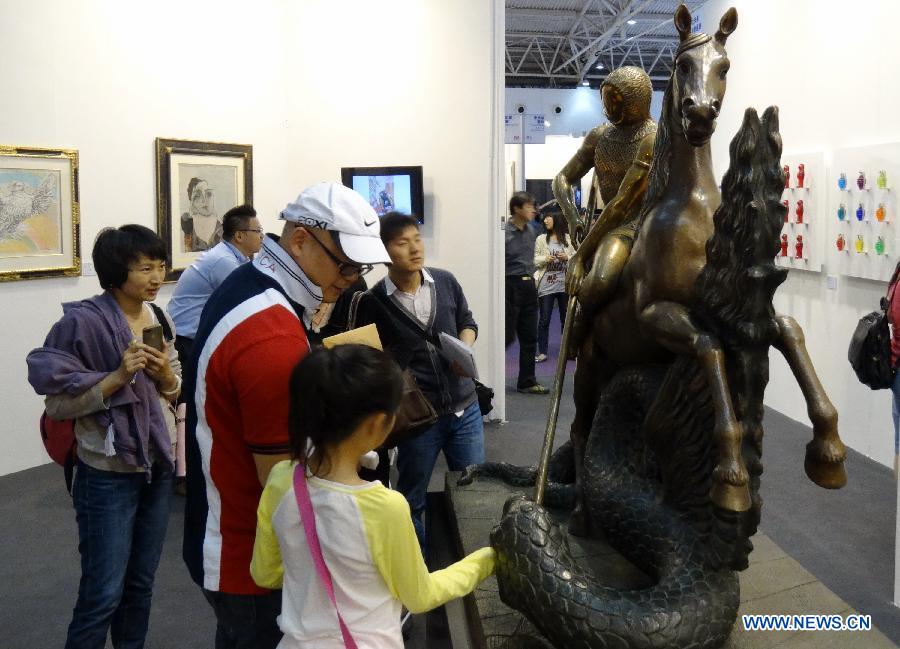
[(462, 441), (545, 304), (246, 621), (122, 522)]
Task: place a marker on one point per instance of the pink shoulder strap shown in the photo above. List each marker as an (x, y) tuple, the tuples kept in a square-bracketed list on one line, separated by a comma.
[(308, 518)]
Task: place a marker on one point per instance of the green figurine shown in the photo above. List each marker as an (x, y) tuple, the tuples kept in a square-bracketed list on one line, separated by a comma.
[(882, 179), (879, 246)]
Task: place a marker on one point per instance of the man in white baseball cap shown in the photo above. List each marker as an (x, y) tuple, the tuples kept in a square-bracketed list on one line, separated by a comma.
[(252, 333)]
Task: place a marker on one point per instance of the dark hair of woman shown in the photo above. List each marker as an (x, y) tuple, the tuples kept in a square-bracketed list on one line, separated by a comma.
[(560, 228), (333, 390), (116, 248)]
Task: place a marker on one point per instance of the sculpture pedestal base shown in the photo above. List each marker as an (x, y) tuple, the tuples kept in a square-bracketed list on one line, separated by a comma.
[(773, 584)]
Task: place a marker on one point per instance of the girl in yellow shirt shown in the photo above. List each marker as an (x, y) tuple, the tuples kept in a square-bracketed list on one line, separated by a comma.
[(342, 406)]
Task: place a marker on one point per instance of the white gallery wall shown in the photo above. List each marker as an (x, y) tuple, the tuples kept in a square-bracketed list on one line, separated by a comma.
[(313, 86), (581, 109), (833, 73)]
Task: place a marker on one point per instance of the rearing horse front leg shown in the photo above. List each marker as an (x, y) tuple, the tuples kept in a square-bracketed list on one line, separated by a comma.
[(670, 324), (826, 452)]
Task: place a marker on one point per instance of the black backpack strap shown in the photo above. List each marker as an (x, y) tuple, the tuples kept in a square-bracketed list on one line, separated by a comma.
[(403, 316), (163, 320), (351, 312)]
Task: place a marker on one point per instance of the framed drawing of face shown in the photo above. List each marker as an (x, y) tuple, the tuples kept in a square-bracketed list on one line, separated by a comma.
[(39, 213), (196, 183)]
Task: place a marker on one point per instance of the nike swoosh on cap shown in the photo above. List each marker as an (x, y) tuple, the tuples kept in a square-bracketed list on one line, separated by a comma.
[(368, 223)]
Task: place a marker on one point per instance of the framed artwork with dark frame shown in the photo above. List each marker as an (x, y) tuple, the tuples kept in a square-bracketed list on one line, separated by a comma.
[(196, 183), (39, 213)]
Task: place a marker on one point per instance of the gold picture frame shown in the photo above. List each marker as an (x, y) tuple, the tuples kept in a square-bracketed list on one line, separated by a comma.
[(196, 183), (39, 213)]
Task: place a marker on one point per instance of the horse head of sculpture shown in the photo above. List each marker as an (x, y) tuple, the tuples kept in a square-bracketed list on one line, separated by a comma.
[(698, 79)]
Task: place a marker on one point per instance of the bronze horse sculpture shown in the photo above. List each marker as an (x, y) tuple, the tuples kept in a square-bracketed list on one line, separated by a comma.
[(671, 468), (648, 319)]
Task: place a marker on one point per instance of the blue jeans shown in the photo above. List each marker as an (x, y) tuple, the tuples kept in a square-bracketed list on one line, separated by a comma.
[(545, 305), (462, 441), (122, 522)]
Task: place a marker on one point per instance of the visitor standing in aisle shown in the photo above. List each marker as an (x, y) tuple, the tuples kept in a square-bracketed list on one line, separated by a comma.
[(95, 369), (252, 333), (521, 295), (552, 251)]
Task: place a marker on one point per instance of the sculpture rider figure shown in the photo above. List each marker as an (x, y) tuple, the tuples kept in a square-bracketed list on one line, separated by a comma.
[(620, 152)]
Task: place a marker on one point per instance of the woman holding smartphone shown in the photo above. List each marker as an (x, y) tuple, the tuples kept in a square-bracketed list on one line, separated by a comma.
[(95, 368), (552, 251)]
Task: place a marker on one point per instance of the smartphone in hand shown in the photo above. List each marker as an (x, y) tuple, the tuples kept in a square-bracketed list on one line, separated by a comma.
[(153, 336)]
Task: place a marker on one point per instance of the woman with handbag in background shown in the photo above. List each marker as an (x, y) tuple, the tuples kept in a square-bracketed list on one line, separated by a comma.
[(411, 307), (552, 252), (893, 315)]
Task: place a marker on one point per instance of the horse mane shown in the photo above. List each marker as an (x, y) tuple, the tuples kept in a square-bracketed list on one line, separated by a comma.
[(658, 177), (734, 303), (734, 290)]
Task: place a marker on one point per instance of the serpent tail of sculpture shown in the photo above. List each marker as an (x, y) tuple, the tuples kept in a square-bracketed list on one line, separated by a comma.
[(650, 455)]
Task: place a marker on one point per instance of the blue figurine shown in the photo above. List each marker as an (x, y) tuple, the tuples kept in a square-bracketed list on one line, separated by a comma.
[(842, 212), (860, 212), (842, 181)]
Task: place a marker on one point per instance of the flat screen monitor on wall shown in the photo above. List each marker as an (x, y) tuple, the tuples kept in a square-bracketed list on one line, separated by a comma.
[(388, 189)]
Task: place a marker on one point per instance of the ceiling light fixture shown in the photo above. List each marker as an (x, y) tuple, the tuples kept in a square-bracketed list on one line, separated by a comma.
[(599, 66), (585, 83), (632, 22)]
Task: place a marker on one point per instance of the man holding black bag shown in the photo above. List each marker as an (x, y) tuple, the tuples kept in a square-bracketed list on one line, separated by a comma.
[(411, 307)]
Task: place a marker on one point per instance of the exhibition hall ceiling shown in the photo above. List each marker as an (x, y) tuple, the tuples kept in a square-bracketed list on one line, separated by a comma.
[(565, 43)]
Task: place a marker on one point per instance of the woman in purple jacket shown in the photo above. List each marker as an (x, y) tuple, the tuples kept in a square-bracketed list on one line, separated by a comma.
[(95, 369)]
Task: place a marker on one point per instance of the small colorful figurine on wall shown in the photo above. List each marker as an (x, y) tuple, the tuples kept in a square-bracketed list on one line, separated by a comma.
[(880, 212), (882, 179), (860, 244), (799, 211), (842, 181), (861, 180), (860, 212), (798, 248), (787, 176), (879, 246), (784, 245), (842, 212), (840, 243), (801, 174), (787, 209)]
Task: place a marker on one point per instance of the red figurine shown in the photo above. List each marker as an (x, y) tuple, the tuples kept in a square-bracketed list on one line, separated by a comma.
[(787, 176), (840, 243), (784, 245), (787, 209), (799, 246), (801, 174), (800, 211)]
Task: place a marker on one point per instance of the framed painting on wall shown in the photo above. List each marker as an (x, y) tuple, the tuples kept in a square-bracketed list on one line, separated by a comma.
[(39, 213), (196, 183)]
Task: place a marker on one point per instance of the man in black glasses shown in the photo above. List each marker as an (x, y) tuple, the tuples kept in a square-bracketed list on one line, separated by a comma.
[(253, 332)]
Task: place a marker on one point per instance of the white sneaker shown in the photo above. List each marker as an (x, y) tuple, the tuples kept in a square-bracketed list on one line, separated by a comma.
[(540, 358)]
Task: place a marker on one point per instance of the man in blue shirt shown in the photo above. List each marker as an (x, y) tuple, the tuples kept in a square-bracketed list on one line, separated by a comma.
[(242, 238)]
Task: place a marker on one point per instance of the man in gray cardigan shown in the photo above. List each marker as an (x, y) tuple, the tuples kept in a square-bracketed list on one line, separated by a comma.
[(414, 302)]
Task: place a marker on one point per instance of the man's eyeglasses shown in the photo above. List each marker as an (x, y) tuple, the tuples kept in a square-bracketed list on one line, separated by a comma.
[(346, 269), (258, 231)]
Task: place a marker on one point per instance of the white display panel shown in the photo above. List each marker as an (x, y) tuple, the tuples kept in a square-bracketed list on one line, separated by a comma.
[(870, 242), (808, 226)]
